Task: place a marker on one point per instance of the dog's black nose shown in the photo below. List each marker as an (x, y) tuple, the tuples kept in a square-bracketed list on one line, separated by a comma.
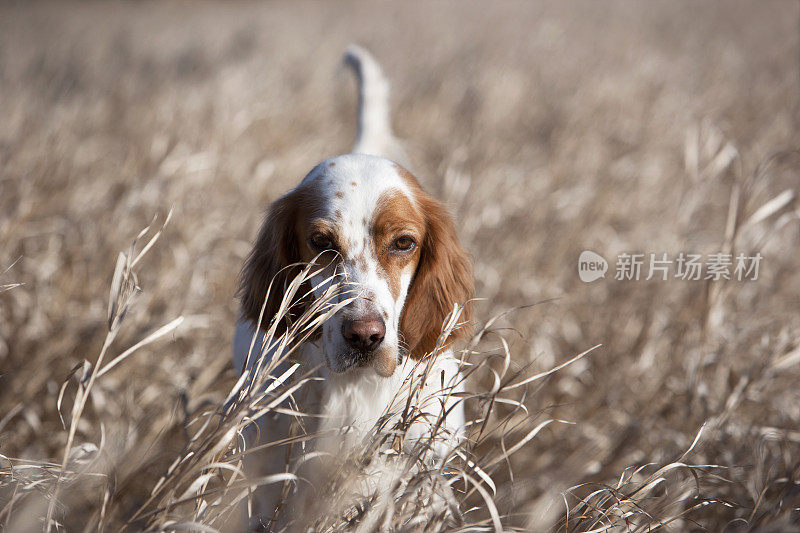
[(364, 335)]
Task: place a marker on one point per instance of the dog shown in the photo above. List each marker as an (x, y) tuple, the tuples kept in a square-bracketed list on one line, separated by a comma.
[(363, 220)]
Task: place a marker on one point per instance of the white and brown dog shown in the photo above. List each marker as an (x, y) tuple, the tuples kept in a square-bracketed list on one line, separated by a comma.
[(365, 220)]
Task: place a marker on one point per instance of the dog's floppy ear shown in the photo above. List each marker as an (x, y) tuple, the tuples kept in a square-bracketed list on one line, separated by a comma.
[(443, 278), (272, 260)]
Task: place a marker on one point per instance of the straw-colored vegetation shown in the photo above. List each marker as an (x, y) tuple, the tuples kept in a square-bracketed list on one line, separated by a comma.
[(548, 129)]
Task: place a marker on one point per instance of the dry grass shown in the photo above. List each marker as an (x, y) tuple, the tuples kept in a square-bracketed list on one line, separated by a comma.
[(549, 130)]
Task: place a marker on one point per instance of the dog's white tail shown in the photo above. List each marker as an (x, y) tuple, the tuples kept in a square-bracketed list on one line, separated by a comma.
[(375, 135)]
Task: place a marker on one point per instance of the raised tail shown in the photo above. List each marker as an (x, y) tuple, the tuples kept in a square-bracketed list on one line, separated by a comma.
[(375, 135)]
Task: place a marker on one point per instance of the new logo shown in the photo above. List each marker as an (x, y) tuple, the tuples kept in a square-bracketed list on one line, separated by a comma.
[(591, 266)]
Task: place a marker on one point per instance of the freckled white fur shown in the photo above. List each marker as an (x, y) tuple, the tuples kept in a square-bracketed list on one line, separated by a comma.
[(352, 185)]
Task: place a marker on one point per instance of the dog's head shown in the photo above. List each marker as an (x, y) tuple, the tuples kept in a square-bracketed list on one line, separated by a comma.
[(367, 223)]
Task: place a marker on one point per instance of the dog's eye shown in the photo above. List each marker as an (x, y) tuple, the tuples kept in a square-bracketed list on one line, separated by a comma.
[(404, 244), (320, 242)]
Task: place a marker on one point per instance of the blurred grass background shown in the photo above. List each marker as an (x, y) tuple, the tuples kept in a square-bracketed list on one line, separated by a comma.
[(548, 129)]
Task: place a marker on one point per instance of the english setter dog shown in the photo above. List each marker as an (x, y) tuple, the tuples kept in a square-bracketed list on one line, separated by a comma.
[(364, 220)]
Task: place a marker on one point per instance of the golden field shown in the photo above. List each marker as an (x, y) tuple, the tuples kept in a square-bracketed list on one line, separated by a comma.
[(548, 129)]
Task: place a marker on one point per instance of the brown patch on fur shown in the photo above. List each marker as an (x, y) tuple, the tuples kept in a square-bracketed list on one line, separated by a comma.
[(353, 183), (338, 213), (443, 277), (331, 164), (384, 363), (308, 225), (361, 261), (282, 241), (393, 217), (339, 194)]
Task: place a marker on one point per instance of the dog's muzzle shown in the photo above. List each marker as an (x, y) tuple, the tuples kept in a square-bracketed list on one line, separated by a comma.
[(364, 336)]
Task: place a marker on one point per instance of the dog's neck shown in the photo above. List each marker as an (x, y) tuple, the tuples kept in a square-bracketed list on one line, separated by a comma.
[(355, 400)]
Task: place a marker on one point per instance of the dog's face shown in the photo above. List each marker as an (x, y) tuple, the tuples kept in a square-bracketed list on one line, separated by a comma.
[(367, 224)]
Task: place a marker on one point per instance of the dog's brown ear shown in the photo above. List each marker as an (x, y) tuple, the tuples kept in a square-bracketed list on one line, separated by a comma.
[(443, 278), (272, 260)]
